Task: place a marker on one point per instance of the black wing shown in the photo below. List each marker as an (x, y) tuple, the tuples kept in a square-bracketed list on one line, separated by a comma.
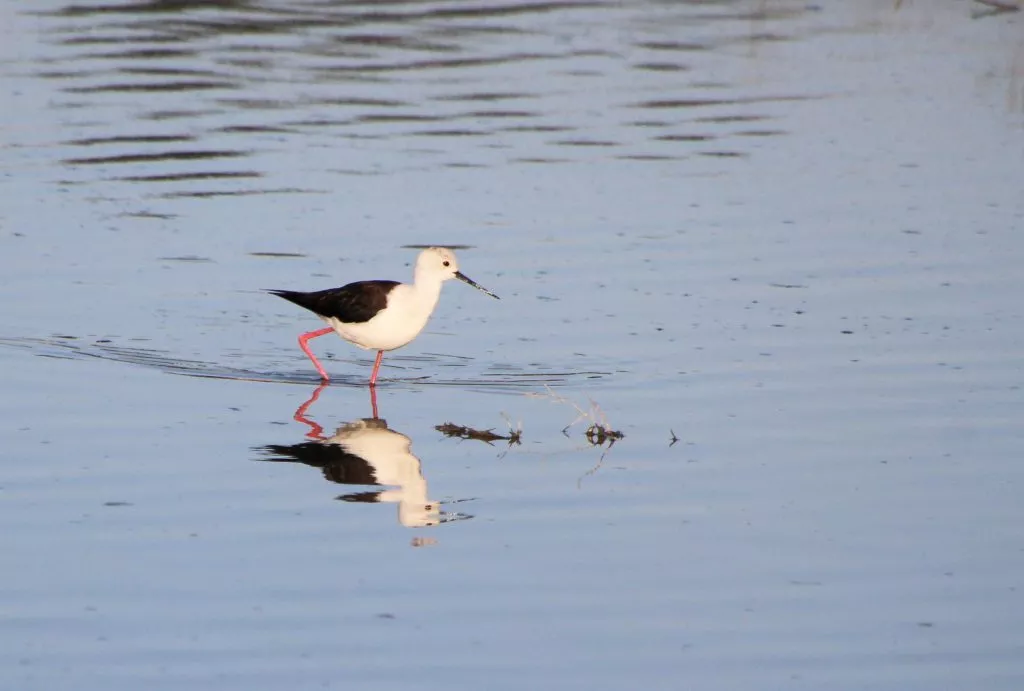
[(337, 464), (353, 304)]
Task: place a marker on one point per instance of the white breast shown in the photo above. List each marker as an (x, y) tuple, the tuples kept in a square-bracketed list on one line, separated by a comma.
[(406, 314)]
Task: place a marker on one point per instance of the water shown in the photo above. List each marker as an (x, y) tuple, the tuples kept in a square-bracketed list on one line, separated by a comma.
[(775, 245)]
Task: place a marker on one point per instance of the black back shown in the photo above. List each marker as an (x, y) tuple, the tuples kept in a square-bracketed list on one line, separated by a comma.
[(353, 304)]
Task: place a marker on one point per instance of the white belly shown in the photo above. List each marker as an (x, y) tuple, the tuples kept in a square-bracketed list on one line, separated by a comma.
[(403, 320)]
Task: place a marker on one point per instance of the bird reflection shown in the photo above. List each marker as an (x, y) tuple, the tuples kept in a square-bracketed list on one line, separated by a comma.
[(367, 452)]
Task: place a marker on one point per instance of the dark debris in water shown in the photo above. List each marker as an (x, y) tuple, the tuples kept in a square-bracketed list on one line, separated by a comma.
[(597, 435), (450, 429)]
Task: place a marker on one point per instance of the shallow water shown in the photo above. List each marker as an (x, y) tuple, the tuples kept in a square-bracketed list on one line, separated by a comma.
[(776, 246)]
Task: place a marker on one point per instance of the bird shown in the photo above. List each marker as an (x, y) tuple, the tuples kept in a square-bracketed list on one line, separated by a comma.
[(380, 315), (367, 452)]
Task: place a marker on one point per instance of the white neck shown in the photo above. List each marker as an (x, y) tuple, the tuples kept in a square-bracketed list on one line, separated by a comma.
[(427, 287)]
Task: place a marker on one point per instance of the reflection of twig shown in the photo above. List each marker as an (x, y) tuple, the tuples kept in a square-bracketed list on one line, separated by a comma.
[(600, 462)]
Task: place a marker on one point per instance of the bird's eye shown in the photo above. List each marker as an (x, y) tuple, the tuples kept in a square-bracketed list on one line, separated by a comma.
[(447, 263)]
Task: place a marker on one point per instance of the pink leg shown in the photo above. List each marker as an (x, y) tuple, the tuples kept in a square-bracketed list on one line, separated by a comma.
[(376, 366), (373, 402), (315, 430), (305, 348)]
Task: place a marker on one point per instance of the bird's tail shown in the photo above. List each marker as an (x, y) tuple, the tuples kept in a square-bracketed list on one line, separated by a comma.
[(299, 298)]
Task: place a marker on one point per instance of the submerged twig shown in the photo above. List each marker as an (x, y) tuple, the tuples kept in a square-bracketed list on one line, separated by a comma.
[(597, 466)]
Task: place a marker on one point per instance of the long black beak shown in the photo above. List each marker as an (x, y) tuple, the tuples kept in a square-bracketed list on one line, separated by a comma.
[(466, 279)]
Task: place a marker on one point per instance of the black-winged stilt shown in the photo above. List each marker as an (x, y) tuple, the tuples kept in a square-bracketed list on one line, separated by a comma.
[(380, 315), (367, 452)]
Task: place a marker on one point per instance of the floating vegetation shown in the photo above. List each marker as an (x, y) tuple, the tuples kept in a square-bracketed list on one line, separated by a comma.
[(489, 436), (597, 435)]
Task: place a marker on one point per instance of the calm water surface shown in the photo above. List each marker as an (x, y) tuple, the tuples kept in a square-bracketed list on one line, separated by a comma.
[(775, 245)]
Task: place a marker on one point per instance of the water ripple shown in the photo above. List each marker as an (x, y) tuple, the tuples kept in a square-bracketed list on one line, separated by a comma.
[(495, 377), (387, 74)]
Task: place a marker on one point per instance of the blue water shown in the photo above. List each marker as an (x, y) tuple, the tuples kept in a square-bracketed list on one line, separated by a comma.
[(775, 246)]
